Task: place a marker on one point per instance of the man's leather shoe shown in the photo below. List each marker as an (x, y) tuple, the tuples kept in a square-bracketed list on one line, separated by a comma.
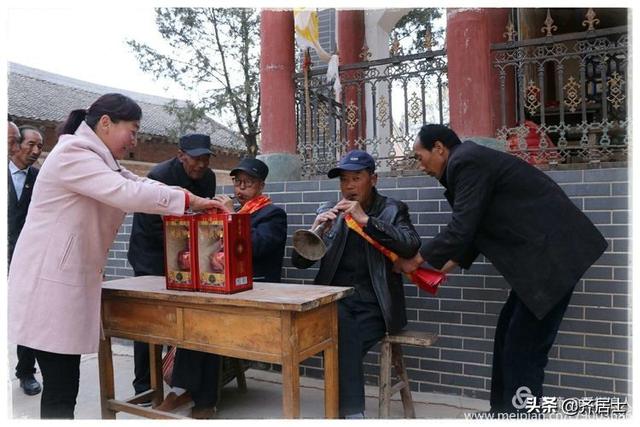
[(30, 386)]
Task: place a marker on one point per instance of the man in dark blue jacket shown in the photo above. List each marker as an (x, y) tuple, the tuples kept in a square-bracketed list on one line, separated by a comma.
[(194, 370), (189, 170), (268, 222), (377, 305), (522, 221)]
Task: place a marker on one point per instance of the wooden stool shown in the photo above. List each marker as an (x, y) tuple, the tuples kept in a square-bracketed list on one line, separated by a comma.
[(391, 353), (232, 368)]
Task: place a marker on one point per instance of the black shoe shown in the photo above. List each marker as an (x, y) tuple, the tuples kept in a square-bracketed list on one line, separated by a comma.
[(30, 386)]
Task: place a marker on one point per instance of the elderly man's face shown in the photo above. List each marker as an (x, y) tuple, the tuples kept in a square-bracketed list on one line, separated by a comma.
[(432, 162), (246, 187), (29, 149), (195, 167), (13, 137), (357, 185)]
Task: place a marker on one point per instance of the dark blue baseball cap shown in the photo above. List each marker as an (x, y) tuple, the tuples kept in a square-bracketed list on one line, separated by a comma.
[(355, 160), (195, 144)]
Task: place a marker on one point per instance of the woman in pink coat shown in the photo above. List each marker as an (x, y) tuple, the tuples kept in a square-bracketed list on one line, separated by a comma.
[(78, 205)]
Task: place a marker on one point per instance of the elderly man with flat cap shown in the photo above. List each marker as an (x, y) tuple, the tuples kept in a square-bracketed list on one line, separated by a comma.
[(189, 169)]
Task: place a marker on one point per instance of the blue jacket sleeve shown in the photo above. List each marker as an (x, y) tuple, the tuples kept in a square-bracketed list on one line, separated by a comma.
[(269, 232)]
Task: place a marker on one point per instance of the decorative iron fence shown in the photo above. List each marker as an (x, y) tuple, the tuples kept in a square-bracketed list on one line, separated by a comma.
[(380, 108), (568, 96)]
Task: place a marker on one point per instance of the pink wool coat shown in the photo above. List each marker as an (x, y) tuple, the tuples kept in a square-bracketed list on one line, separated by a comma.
[(79, 202)]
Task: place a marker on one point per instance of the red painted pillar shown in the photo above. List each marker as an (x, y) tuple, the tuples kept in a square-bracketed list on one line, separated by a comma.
[(350, 25), (474, 90), (497, 20), (277, 105)]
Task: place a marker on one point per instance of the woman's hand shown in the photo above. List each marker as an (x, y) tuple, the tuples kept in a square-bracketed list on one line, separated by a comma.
[(197, 203)]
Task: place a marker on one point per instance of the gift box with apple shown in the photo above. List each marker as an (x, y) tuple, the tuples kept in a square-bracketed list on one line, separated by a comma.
[(208, 252)]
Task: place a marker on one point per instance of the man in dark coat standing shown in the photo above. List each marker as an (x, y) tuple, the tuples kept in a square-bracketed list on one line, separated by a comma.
[(25, 146), (522, 221), (189, 170), (377, 305)]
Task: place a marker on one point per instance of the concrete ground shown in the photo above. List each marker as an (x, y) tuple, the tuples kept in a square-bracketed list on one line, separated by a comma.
[(261, 401)]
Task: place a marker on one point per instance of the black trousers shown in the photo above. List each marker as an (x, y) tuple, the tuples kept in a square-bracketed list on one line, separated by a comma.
[(360, 327), (197, 372), (520, 352), (141, 367), (60, 383), (26, 365)]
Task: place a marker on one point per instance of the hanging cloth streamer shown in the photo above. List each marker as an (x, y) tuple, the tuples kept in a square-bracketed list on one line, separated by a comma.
[(334, 75), (307, 36)]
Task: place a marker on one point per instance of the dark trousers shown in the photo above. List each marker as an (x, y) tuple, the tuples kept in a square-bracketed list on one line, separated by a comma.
[(520, 352), (198, 373), (60, 382), (26, 365), (141, 368), (360, 327)]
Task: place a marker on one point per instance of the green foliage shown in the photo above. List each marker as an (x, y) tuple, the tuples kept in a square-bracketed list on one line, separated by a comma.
[(412, 28), (213, 53)]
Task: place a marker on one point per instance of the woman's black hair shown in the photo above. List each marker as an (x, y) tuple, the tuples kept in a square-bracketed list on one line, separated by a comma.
[(115, 105), (429, 134)]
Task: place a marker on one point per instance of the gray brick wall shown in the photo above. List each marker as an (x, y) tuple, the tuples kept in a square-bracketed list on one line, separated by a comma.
[(591, 356)]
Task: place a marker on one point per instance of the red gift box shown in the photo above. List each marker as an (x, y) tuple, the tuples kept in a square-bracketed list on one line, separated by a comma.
[(179, 248), (224, 257)]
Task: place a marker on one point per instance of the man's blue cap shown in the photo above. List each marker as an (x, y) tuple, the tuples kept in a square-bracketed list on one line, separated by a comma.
[(195, 144), (355, 160)]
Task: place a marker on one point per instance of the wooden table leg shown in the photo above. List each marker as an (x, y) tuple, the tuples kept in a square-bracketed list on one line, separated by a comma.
[(331, 372), (155, 368), (107, 385), (384, 392), (290, 368)]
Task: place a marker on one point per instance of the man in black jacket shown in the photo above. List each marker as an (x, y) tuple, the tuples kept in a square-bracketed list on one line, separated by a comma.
[(189, 170), (523, 222), (377, 305), (25, 146)]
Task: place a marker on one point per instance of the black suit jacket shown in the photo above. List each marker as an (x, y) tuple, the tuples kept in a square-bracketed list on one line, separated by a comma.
[(17, 209), (390, 225), (520, 219), (146, 244), (268, 239)]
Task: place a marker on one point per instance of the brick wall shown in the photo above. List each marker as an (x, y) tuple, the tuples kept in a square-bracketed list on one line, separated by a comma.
[(591, 356)]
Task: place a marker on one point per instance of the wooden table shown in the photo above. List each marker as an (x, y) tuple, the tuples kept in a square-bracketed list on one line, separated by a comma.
[(274, 322)]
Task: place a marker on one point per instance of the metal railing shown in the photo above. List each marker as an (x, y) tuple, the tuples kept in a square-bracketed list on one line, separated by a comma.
[(380, 108), (564, 97)]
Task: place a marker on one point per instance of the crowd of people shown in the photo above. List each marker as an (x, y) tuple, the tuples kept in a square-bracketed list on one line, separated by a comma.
[(64, 217)]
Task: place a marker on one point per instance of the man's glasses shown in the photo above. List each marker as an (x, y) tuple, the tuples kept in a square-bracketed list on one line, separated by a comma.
[(248, 183)]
